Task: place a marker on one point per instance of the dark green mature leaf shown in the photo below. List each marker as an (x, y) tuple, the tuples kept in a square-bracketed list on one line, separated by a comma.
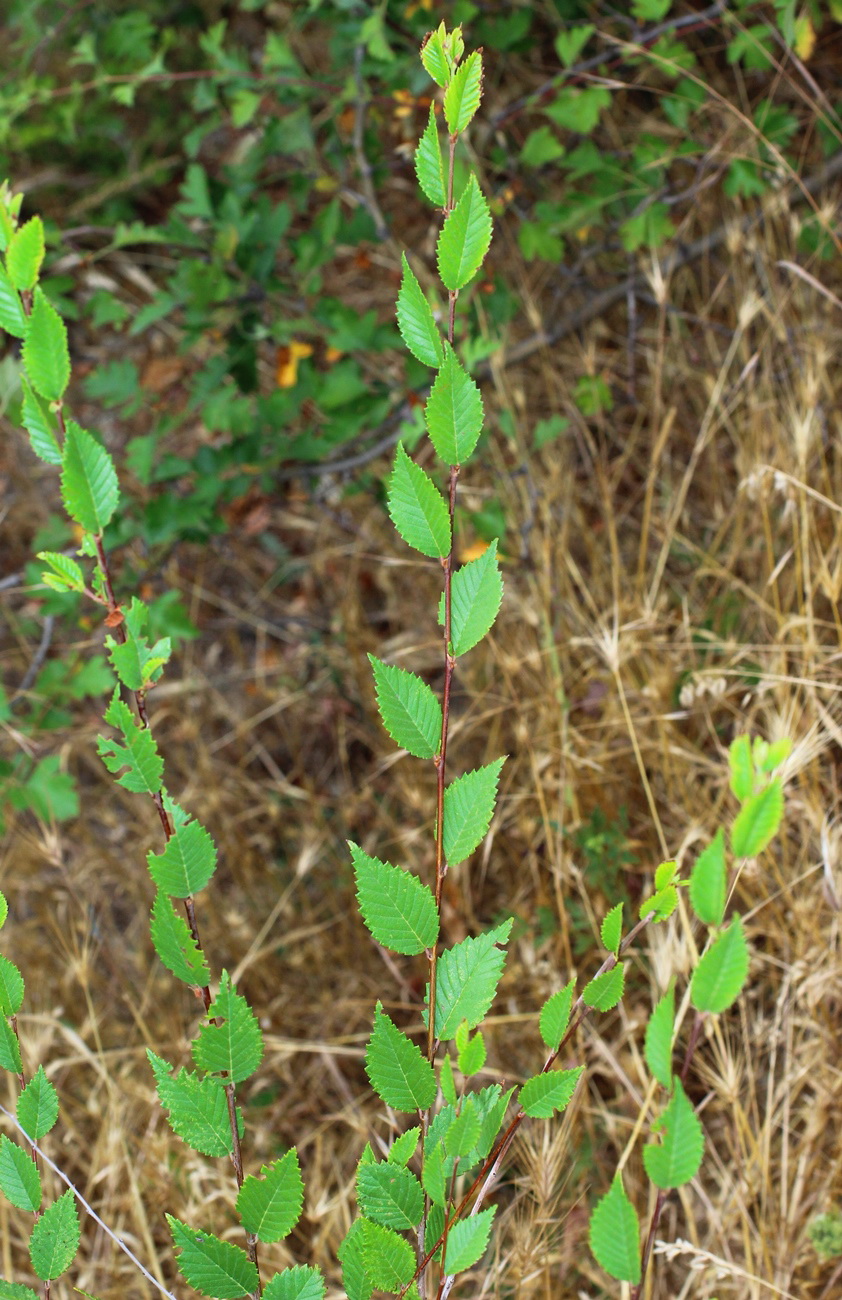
[(399, 910), (722, 971), (614, 1235), (40, 426), (234, 1047), (389, 1259), (548, 1092), (213, 1267), (9, 1048), (270, 1206), (468, 808), (659, 1033), (464, 238), (467, 979), (175, 945), (467, 1241), (198, 1108), (55, 1238), (139, 754), (758, 821), (187, 862), (708, 882), (12, 315), (400, 1075), (300, 1283), (454, 411), (462, 96), (555, 1016), (476, 596), (418, 329), (37, 1108), (463, 1134), (355, 1279), (11, 988), (16, 1291), (410, 711), (417, 508), (677, 1159), (45, 353), (20, 1181), (390, 1195), (428, 163), (25, 254), (89, 487), (605, 991)]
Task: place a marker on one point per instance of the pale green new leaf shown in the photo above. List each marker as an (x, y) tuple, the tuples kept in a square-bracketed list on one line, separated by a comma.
[(415, 320), (660, 906), (139, 754), (234, 1047), (25, 254), (300, 1283), (476, 595), (37, 1108), (447, 1081), (677, 1159), (428, 164), (605, 991), (404, 1147), (400, 1075), (198, 1108), (89, 487), (468, 808), (175, 945), (46, 357), (472, 1055), (16, 1291), (55, 1238), (742, 767), (187, 862), (390, 1195), (11, 987), (20, 1181), (467, 979), (213, 1267), (66, 575), (464, 238), (722, 971), (12, 315), (758, 821), (461, 99), (4, 906), (555, 1016), (665, 874), (417, 508), (398, 908), (659, 1033), (410, 711), (9, 1048), (612, 929), (454, 412), (467, 1241), (708, 881), (40, 426), (464, 1133), (389, 1259), (548, 1092), (270, 1206), (614, 1235), (433, 56)]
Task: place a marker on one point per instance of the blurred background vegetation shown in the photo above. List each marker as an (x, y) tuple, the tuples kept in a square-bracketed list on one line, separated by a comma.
[(227, 189)]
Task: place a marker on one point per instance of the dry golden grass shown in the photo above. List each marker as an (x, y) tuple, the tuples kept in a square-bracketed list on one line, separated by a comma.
[(673, 573)]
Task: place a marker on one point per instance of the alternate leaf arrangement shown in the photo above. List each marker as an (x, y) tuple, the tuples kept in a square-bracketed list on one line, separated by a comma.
[(423, 1220)]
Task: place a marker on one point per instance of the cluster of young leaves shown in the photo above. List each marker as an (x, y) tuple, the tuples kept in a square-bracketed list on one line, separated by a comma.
[(675, 1157)]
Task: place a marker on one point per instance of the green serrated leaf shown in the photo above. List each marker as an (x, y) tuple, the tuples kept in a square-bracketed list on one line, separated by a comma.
[(548, 1092), (187, 862), (417, 508), (472, 1055), (659, 1032), (390, 1195), (46, 357), (37, 1108), (555, 1016), (463, 1134), (40, 426), (415, 320), (677, 1159), (135, 662), (468, 808), (235, 1046), (400, 1075), (665, 874), (20, 1181), (25, 254), (355, 1278), (741, 766), (447, 1081), (65, 571), (758, 821), (399, 910), (462, 96), (410, 711), (55, 1238), (389, 1259), (12, 315), (9, 1048), (660, 906), (434, 58), (11, 988), (300, 1283), (454, 412), (467, 979), (404, 1147), (16, 1291), (476, 595), (708, 882), (605, 991), (614, 1235), (139, 754), (89, 487), (4, 906), (464, 238), (611, 932), (198, 1108), (270, 1206), (467, 1241), (213, 1267), (175, 945), (722, 971), (428, 164)]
